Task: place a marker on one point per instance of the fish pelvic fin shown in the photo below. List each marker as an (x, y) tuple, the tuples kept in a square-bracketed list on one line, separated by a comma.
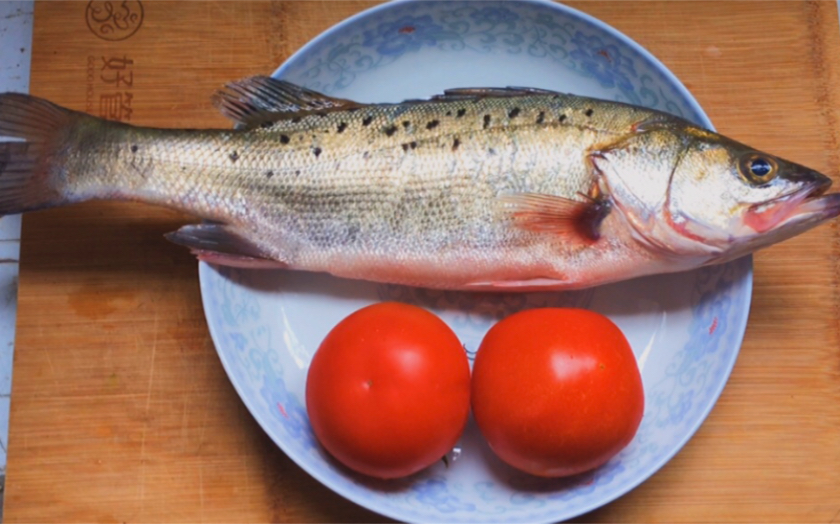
[(222, 245), (556, 214), (534, 284), (258, 99), (27, 181)]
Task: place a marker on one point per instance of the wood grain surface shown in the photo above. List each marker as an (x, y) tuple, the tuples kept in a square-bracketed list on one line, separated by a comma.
[(121, 411)]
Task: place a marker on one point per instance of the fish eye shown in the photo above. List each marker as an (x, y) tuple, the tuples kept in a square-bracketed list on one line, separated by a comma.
[(760, 167), (757, 168)]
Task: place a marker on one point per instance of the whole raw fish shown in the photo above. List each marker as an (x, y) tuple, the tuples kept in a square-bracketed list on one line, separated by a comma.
[(475, 189)]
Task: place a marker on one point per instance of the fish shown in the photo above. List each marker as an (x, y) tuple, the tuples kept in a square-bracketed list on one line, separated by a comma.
[(485, 189)]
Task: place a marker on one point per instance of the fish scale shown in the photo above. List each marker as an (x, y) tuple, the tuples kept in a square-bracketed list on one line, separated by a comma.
[(474, 189)]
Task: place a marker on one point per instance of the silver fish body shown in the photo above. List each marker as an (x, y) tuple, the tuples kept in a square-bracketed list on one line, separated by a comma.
[(510, 189)]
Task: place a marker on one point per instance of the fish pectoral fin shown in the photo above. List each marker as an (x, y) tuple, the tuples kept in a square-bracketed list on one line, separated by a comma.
[(257, 99), (557, 214), (222, 245)]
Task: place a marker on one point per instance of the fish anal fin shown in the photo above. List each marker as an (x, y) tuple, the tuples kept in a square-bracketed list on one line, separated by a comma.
[(533, 284), (257, 99), (556, 214), (223, 245), (241, 261)]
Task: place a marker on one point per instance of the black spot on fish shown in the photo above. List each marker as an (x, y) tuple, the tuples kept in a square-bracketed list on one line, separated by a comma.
[(390, 130), (352, 233), (541, 117), (266, 124), (284, 139), (368, 119), (297, 172), (234, 156), (269, 174), (405, 147), (413, 145), (491, 151), (316, 151), (562, 118), (513, 113), (366, 155), (486, 121), (296, 120), (133, 149), (461, 112), (432, 124), (589, 221), (406, 124), (449, 113), (588, 112), (341, 127), (455, 143)]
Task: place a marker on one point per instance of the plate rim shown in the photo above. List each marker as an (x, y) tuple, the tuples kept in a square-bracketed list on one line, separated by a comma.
[(746, 295)]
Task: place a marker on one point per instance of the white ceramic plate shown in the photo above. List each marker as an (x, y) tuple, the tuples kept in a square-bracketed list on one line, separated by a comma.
[(685, 329)]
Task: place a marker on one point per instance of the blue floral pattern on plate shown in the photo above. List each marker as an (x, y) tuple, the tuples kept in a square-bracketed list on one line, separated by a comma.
[(685, 328), (337, 59), (406, 34)]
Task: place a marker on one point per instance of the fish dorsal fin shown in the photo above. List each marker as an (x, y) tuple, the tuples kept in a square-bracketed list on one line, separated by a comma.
[(469, 93), (258, 99)]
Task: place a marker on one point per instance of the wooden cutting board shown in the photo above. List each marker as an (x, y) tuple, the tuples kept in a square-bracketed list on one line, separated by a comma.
[(121, 411)]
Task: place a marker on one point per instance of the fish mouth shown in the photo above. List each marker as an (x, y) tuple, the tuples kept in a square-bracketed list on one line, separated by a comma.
[(816, 207), (794, 213), (812, 203), (817, 184), (806, 203)]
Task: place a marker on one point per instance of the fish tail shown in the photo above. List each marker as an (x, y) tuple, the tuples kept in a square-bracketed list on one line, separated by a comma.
[(28, 179)]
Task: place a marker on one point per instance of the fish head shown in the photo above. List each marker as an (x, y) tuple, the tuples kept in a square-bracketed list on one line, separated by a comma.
[(693, 194)]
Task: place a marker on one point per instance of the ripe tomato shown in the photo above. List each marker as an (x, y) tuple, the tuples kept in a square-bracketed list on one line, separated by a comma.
[(388, 390), (556, 391)]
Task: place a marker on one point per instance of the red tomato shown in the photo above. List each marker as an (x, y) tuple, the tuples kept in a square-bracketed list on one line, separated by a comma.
[(555, 391), (388, 391)]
